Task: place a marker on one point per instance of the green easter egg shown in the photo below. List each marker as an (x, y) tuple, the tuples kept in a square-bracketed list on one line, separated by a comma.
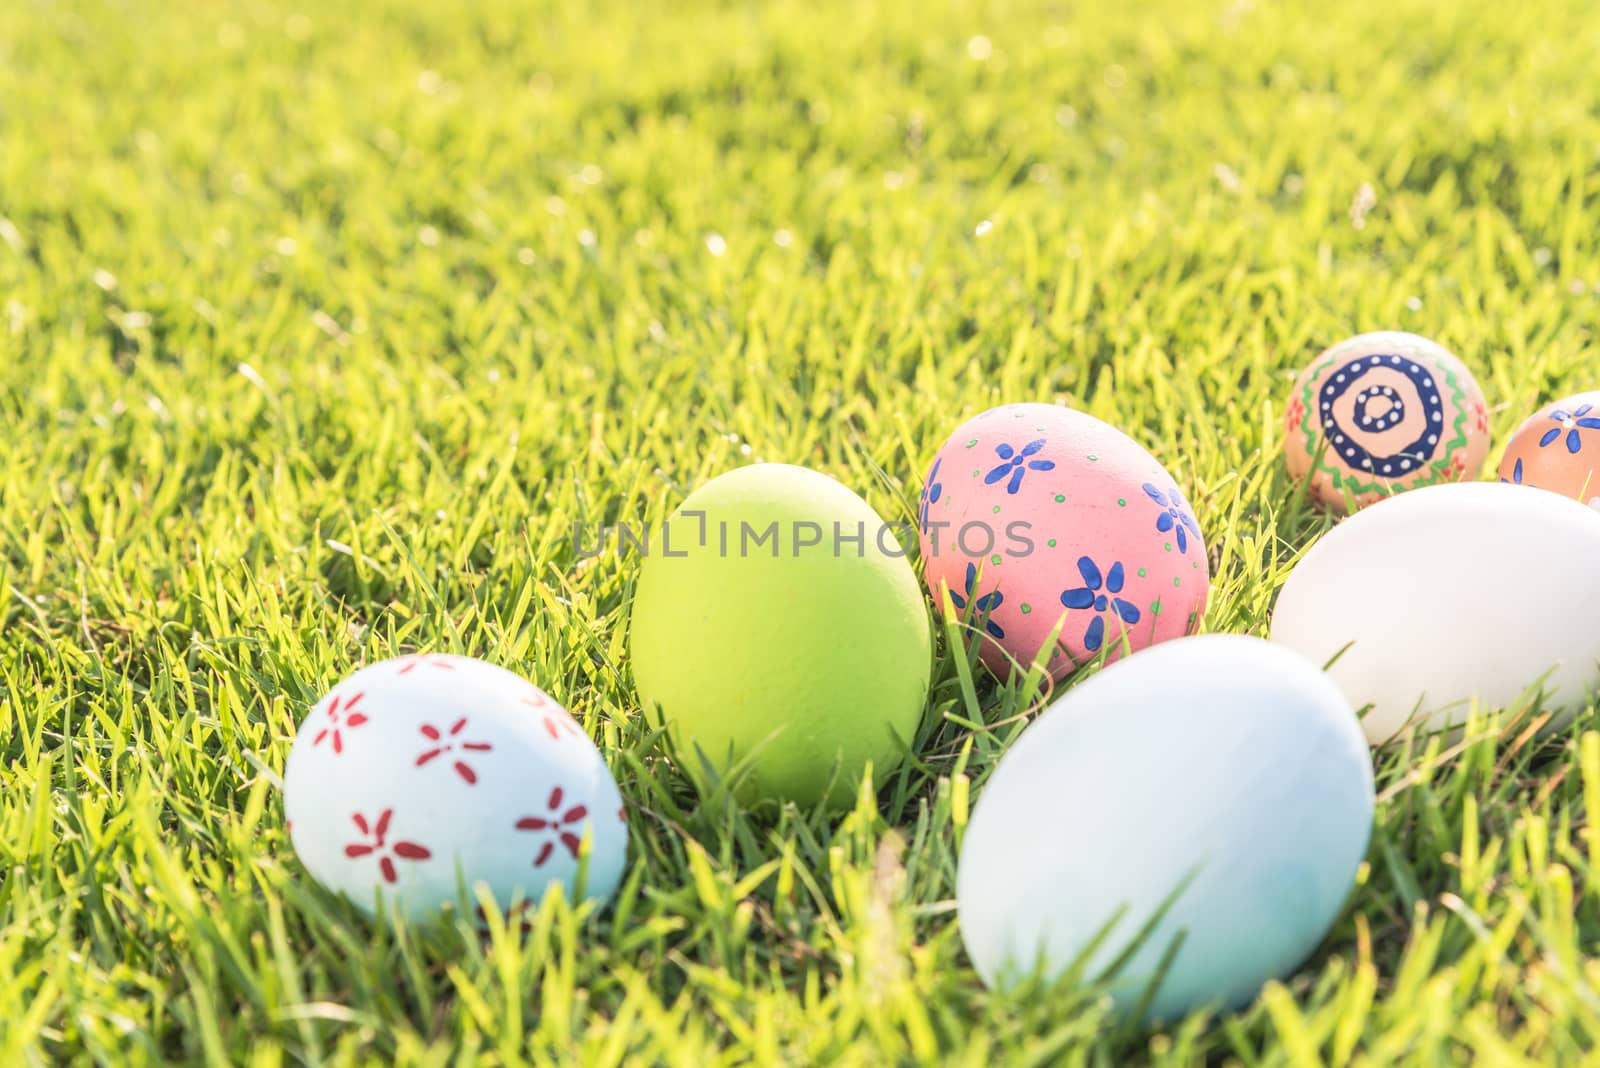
[(768, 636)]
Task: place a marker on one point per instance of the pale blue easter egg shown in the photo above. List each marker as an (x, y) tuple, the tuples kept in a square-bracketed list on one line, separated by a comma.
[(1224, 777)]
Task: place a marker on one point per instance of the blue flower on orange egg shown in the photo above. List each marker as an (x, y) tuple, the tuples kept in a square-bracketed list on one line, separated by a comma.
[(1570, 422), (1015, 463), (932, 490), (1174, 515), (1516, 475), (1098, 594), (983, 606)]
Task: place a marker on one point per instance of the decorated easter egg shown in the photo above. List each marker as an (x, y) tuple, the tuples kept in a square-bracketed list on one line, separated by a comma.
[(415, 771), (1558, 449), (779, 633), (1428, 602), (1381, 413), (1215, 792), (1034, 514)]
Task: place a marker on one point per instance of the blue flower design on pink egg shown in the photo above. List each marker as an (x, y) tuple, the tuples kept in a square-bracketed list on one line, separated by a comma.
[(1015, 463), (1571, 422), (932, 490), (983, 606), (1174, 516), (1098, 593)]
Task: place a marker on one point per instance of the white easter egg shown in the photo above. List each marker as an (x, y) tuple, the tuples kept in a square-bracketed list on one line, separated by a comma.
[(1221, 776), (419, 775), (1442, 596)]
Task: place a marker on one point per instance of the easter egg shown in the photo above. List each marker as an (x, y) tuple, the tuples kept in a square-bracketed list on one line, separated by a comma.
[(1449, 595), (1217, 787), (1381, 413), (779, 633), (1035, 514), (1558, 449), (414, 770)]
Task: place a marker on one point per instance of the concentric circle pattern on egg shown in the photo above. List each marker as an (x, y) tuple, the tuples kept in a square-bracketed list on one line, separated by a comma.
[(1220, 778), (1035, 512), (414, 769), (1558, 449), (1382, 413)]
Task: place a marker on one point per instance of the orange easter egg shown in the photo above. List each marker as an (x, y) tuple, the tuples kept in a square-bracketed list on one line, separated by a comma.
[(1382, 413), (1558, 449)]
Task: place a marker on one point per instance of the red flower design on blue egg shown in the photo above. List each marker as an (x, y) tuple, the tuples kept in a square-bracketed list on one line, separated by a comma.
[(557, 720), (411, 661), (340, 719), (380, 846), (446, 742), (557, 826)]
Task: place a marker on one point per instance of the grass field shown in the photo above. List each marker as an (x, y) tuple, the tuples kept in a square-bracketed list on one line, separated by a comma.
[(321, 325)]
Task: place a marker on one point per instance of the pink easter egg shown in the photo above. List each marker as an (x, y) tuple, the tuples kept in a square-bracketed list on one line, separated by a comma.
[(1034, 514)]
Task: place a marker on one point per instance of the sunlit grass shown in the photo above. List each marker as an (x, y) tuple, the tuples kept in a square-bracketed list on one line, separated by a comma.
[(321, 326)]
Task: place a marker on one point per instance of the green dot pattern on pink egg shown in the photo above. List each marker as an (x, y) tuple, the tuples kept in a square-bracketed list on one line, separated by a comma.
[(795, 660), (1093, 533)]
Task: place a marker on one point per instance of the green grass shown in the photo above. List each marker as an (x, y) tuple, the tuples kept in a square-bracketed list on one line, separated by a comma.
[(320, 326)]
